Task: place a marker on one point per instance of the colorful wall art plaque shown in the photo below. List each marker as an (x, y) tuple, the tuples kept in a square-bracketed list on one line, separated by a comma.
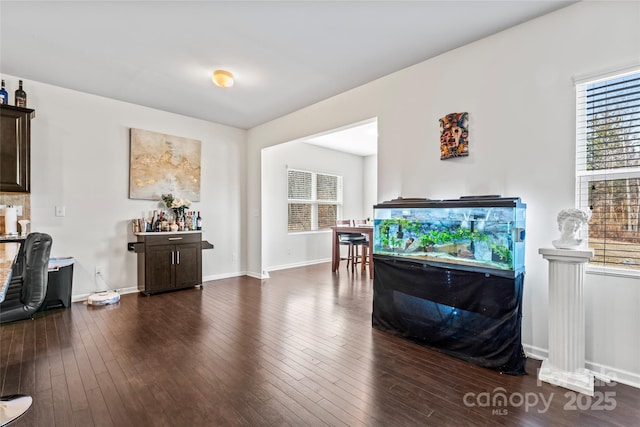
[(454, 135)]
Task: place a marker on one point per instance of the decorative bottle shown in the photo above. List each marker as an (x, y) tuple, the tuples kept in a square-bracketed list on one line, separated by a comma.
[(4, 95), (198, 222), (154, 220), (188, 222), (20, 96)]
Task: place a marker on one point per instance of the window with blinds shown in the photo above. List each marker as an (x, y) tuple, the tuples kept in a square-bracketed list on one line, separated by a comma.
[(608, 168), (314, 200)]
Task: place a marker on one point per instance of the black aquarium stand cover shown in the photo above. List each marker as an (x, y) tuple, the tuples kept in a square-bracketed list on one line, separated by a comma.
[(474, 316)]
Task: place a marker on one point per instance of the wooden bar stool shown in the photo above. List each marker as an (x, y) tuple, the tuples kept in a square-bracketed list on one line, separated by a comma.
[(353, 241), (364, 258)]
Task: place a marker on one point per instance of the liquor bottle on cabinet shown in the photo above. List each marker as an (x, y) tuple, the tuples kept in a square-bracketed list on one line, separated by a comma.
[(20, 96), (198, 222), (4, 95)]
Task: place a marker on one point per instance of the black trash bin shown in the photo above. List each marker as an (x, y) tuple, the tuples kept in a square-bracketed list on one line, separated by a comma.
[(59, 284)]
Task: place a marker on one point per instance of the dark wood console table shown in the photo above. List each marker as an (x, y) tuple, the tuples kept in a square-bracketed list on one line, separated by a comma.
[(169, 261)]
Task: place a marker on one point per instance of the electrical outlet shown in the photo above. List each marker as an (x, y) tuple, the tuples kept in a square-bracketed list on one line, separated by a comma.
[(18, 210), (98, 271), (234, 256)]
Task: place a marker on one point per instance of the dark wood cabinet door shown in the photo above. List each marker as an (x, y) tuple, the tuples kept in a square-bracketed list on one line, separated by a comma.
[(188, 264), (169, 261), (15, 149), (159, 268)]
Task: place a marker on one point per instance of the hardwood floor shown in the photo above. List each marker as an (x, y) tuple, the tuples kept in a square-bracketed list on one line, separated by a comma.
[(297, 349)]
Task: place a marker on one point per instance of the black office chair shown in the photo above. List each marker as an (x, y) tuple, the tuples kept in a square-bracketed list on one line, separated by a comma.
[(27, 291)]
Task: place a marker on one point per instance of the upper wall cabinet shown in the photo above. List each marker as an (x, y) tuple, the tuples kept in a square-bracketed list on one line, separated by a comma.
[(15, 149)]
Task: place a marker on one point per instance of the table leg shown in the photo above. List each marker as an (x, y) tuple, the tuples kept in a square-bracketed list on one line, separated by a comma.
[(363, 263), (334, 251), (370, 255)]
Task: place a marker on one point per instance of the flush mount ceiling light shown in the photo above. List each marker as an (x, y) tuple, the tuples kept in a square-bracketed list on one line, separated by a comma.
[(223, 78)]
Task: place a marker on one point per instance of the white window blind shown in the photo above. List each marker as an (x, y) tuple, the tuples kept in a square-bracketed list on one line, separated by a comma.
[(608, 168), (314, 200)]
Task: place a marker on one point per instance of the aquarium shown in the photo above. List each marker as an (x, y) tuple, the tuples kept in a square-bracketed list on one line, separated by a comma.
[(486, 232)]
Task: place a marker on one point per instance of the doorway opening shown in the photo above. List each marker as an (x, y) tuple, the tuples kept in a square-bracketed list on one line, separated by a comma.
[(349, 152)]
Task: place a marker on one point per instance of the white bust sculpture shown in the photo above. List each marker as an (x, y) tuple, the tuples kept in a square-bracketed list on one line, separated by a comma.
[(570, 221)]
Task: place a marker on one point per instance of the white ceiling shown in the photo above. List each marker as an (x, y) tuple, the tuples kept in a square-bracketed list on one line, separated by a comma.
[(360, 139), (286, 55)]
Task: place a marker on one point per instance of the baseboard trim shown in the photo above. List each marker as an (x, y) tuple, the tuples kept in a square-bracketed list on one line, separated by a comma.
[(537, 353), (223, 276), (298, 264), (616, 375), (259, 276)]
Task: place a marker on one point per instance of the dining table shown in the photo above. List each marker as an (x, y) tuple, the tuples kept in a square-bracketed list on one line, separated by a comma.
[(335, 246)]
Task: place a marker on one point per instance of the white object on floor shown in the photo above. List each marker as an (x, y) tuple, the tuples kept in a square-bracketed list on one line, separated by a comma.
[(103, 298), (13, 407)]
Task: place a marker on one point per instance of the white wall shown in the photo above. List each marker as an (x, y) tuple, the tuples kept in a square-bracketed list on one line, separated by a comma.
[(80, 160), (284, 249), (518, 87), (370, 185)]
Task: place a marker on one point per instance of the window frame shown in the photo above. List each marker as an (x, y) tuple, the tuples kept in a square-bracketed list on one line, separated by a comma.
[(314, 201), (585, 177)]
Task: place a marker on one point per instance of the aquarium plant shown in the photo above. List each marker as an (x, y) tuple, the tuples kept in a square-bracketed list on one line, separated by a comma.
[(395, 242), (502, 252), (385, 228), (442, 237), (428, 240)]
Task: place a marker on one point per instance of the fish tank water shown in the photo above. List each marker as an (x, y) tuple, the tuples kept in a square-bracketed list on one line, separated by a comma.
[(483, 232)]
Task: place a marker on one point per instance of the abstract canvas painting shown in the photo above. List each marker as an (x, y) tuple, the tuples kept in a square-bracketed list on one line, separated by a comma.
[(454, 135), (161, 164)]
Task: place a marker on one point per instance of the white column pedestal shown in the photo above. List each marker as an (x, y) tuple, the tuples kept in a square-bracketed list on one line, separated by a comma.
[(565, 365)]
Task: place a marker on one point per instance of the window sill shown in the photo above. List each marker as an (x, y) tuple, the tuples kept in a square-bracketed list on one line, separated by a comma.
[(611, 271)]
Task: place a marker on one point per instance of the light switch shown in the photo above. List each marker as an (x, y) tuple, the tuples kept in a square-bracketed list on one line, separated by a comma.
[(59, 210)]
